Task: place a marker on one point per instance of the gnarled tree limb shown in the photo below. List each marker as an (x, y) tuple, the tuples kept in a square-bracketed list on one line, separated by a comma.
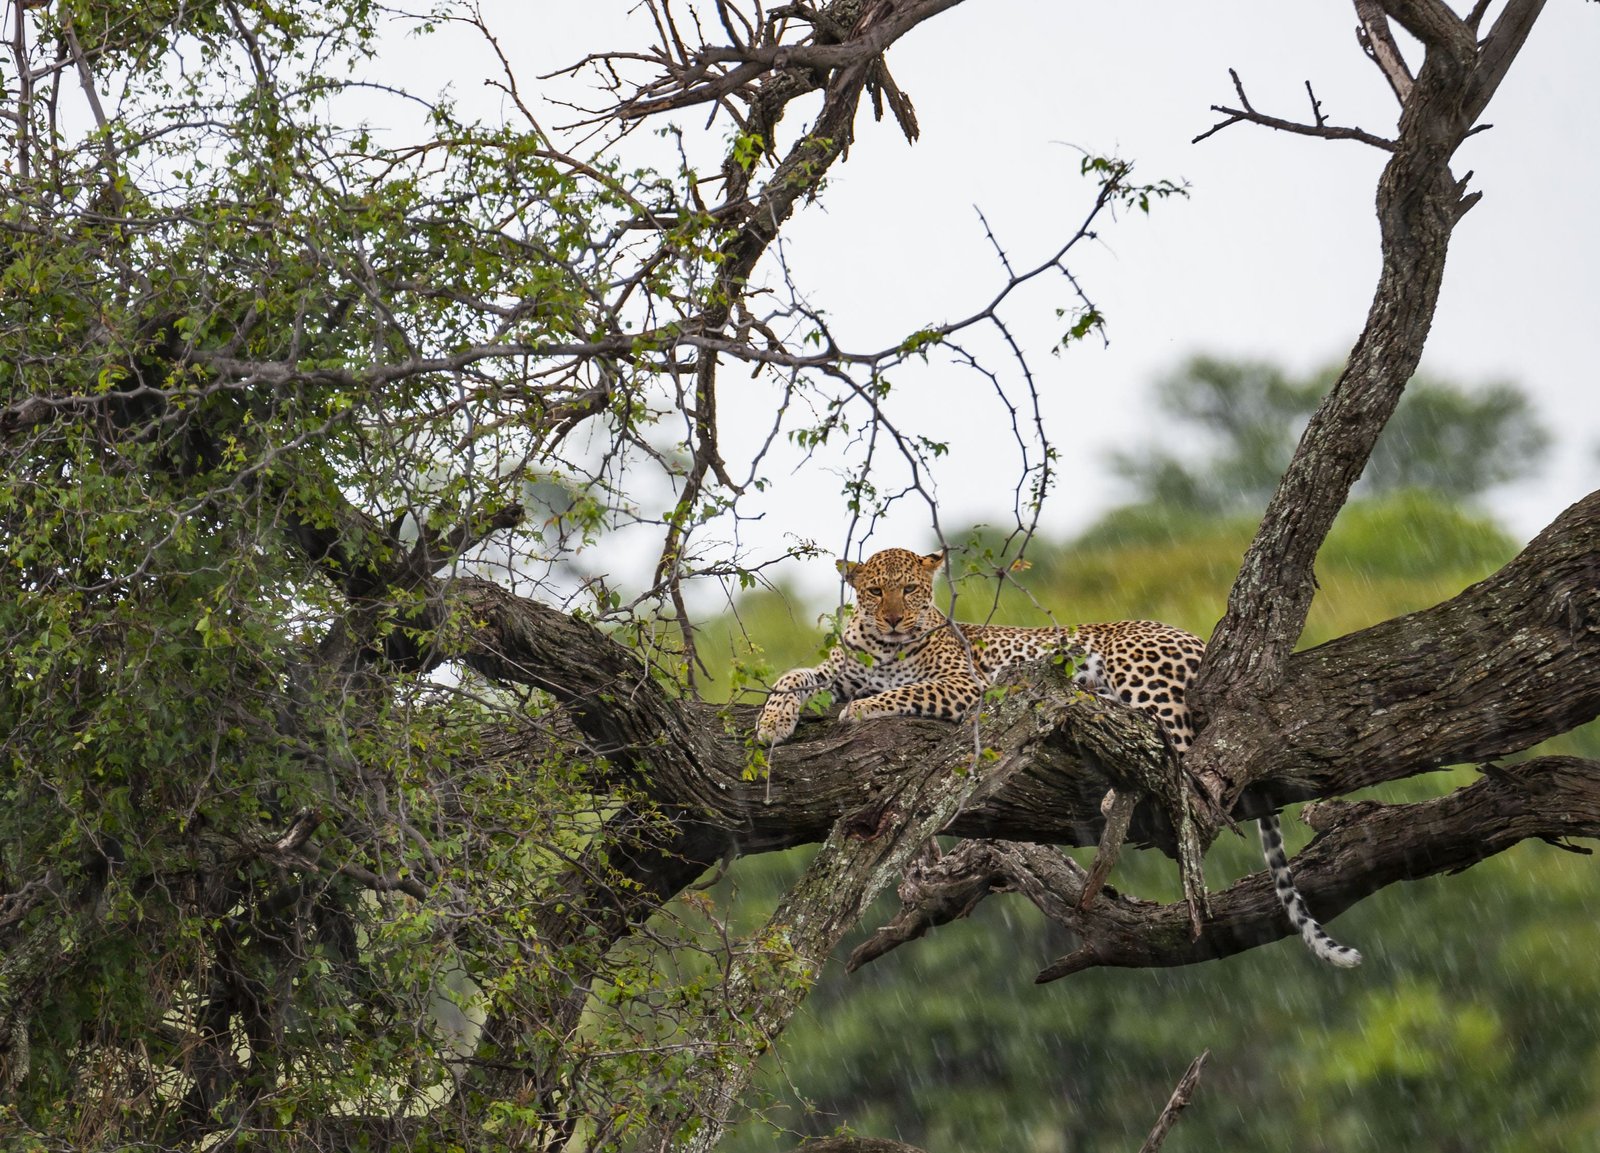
[(1362, 847), (1510, 661), (1419, 202)]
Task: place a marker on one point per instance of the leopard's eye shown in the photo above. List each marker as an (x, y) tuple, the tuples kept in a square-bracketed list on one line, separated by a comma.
[(874, 591), (909, 589)]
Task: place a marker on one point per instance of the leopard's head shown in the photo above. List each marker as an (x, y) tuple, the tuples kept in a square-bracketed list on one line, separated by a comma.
[(894, 592)]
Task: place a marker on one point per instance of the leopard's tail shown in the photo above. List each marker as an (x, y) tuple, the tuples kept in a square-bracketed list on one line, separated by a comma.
[(1316, 938)]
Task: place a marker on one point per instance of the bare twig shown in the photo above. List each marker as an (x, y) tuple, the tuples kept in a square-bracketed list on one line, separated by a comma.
[(1316, 107), (1180, 1098), (102, 122), (1246, 113)]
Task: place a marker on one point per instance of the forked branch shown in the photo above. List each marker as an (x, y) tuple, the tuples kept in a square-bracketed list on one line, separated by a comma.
[(1419, 203), (1247, 113), (846, 34)]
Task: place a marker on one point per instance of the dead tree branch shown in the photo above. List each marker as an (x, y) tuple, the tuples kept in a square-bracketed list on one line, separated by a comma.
[(1246, 113), (1378, 43), (1182, 1093), (700, 76)]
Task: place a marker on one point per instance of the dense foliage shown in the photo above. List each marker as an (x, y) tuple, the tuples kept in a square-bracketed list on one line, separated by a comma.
[(255, 871)]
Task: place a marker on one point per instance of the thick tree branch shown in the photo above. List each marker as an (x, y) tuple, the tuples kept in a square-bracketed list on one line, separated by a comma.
[(1362, 847), (1497, 52), (1433, 23), (1511, 661), (1419, 203)]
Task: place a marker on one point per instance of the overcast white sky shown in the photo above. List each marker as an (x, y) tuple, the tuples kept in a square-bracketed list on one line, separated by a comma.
[(1274, 255)]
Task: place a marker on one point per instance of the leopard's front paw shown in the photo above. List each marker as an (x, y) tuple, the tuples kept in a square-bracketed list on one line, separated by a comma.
[(778, 719), (855, 711)]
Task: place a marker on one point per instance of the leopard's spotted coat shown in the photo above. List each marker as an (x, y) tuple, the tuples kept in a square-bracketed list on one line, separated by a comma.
[(900, 656)]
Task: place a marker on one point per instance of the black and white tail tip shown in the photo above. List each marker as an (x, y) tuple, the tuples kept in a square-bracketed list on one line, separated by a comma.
[(1316, 939)]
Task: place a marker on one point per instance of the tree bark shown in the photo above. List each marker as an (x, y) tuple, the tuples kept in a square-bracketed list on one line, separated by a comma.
[(1419, 203), (1361, 847), (1511, 661)]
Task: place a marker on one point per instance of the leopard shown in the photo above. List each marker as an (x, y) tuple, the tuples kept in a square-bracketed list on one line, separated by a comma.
[(899, 655)]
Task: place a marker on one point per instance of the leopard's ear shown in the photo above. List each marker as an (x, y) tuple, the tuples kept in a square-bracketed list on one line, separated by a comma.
[(847, 568), (934, 561)]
